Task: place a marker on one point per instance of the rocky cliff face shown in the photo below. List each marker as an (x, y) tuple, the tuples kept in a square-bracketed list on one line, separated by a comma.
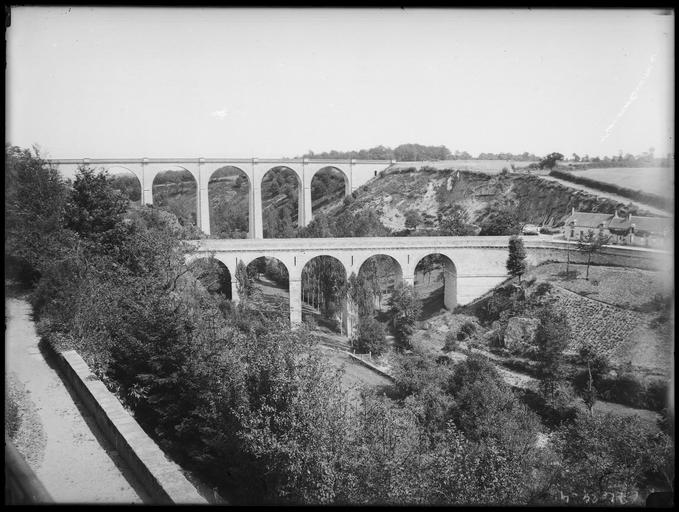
[(433, 193)]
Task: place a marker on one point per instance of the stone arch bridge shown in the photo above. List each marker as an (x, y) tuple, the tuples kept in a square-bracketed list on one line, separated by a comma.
[(476, 263), (355, 172)]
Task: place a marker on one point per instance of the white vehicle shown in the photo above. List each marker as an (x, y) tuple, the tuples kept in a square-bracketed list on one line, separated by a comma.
[(530, 229)]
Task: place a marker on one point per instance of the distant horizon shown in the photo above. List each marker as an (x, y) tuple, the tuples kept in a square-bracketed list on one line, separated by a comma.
[(475, 156)]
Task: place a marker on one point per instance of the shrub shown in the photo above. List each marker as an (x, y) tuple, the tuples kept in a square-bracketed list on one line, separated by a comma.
[(656, 395), (451, 342), (468, 328), (12, 416), (625, 389), (551, 413), (542, 289), (370, 336)]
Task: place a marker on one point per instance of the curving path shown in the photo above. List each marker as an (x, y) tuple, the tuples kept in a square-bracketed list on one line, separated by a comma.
[(59, 441)]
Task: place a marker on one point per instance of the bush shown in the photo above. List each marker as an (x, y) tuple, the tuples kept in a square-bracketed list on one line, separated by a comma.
[(451, 342), (468, 328), (626, 389), (542, 289), (552, 414), (12, 416), (370, 336), (656, 395)]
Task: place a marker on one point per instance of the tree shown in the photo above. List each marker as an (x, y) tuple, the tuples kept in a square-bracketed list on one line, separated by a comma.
[(244, 284), (362, 290), (404, 309), (516, 263), (608, 454), (455, 222), (550, 160), (35, 199), (412, 219), (552, 337), (502, 220), (592, 243), (370, 336), (428, 264), (95, 208)]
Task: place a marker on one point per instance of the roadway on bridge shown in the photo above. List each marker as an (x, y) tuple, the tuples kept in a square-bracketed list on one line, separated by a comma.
[(58, 439)]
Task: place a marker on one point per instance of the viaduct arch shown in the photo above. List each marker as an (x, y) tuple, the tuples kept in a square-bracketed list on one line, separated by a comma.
[(478, 262), (356, 173)]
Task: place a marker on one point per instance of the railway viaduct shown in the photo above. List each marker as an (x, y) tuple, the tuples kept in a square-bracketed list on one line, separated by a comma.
[(355, 172), (473, 265)]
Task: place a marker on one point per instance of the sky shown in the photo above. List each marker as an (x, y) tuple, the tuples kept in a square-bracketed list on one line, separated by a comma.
[(119, 82)]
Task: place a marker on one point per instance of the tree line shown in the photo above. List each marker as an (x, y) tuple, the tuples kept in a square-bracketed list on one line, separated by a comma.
[(416, 153)]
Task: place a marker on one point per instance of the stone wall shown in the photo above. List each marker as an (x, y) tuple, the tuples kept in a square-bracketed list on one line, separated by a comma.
[(161, 478)]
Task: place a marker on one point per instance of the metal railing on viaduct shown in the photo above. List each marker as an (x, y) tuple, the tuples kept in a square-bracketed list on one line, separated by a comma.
[(355, 172)]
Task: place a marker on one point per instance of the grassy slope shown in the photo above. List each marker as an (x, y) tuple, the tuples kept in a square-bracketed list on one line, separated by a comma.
[(602, 312)]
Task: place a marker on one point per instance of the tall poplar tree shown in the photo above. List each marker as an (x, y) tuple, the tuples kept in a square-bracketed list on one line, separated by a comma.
[(516, 263)]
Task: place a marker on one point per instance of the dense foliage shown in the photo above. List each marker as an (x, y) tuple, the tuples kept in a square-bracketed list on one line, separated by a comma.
[(346, 224), (516, 263), (231, 392), (402, 153)]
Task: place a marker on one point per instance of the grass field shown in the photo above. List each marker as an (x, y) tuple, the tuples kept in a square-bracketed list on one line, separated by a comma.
[(487, 166), (655, 180)]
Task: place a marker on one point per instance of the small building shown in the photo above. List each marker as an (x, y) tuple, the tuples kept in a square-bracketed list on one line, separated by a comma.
[(578, 224), (627, 229)]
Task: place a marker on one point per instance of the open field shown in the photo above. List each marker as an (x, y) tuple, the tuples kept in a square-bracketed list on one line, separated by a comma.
[(617, 286), (655, 180), (487, 166)]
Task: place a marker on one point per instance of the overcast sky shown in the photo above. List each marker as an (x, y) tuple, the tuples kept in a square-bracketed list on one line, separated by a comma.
[(166, 82)]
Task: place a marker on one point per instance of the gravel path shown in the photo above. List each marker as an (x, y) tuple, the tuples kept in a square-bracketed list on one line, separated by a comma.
[(59, 441)]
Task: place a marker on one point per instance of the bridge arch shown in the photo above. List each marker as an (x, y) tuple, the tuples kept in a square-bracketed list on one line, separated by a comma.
[(213, 275), (280, 220), (176, 188), (324, 186), (384, 272), (435, 279), (272, 278), (229, 196), (323, 289), (121, 180)]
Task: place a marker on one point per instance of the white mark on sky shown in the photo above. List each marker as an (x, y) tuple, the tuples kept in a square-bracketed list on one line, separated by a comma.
[(633, 96)]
